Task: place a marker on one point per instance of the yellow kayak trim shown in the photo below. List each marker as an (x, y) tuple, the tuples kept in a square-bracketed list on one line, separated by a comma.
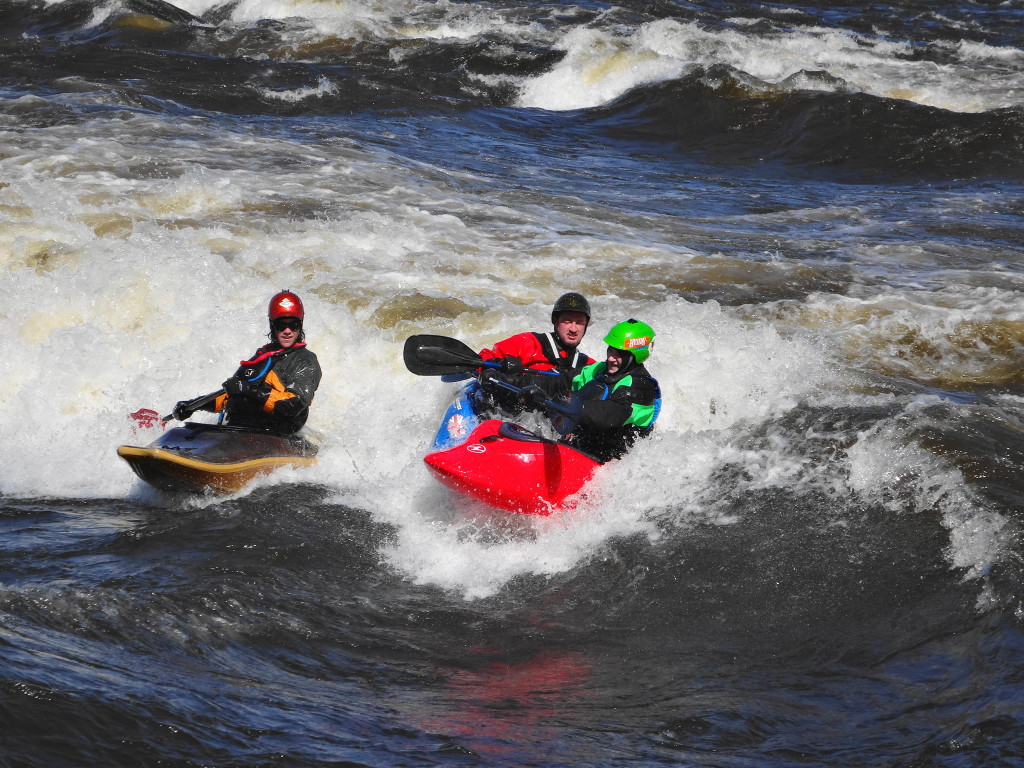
[(174, 471)]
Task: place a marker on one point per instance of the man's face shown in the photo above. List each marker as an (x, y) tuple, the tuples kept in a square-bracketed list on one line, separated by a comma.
[(570, 328), (286, 331)]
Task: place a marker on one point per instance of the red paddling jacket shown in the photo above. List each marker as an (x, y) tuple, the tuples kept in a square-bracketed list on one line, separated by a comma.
[(541, 352)]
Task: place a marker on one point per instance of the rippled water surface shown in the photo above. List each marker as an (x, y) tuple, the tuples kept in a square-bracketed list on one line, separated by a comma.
[(815, 560)]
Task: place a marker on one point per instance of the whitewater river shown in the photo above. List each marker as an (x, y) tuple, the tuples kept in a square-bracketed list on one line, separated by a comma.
[(816, 560)]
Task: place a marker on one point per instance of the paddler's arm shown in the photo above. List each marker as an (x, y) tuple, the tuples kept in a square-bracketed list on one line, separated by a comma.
[(291, 401), (516, 352), (605, 414), (634, 402)]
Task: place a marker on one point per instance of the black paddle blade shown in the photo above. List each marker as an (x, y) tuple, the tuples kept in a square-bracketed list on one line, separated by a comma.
[(427, 355)]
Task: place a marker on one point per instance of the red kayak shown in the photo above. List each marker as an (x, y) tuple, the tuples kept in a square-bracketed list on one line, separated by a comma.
[(511, 468)]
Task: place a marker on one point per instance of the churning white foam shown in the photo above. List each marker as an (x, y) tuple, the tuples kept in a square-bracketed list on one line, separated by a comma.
[(601, 64), (138, 256)]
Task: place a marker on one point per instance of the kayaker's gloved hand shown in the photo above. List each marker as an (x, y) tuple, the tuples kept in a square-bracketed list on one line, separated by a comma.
[(233, 386), (533, 395), (239, 387), (181, 412), (563, 424), (565, 419), (511, 365)]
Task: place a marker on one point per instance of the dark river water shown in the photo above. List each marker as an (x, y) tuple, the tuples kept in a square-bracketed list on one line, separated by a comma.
[(816, 560)]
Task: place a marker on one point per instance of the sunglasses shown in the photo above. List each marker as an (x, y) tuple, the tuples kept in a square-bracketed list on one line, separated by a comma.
[(285, 323)]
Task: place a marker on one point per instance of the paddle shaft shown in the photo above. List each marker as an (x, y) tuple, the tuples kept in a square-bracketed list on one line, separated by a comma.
[(439, 356), (428, 355), (198, 403), (551, 404)]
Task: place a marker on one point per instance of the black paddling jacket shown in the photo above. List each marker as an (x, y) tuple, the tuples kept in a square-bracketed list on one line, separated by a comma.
[(287, 378), (615, 410)]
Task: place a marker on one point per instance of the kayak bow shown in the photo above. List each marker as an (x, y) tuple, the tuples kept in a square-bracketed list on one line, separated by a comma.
[(511, 468)]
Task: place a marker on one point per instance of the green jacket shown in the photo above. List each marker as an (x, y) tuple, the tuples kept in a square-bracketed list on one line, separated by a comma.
[(615, 410)]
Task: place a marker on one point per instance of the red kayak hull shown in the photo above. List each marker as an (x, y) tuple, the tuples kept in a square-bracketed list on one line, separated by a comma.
[(510, 468)]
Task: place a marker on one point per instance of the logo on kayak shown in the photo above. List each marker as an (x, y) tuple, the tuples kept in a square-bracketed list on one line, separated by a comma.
[(457, 425), (476, 448)]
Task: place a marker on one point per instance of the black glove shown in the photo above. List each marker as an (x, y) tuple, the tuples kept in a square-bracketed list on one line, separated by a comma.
[(239, 387), (181, 412), (533, 395), (511, 365)]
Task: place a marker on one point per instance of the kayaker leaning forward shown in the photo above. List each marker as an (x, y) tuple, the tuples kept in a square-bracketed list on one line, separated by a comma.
[(275, 388), (548, 360), (619, 399)]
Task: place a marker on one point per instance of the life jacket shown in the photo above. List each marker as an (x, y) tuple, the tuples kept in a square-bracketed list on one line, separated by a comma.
[(288, 379), (615, 411), (564, 360), (547, 365)]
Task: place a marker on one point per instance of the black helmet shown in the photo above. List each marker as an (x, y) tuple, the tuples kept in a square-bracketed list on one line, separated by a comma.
[(570, 302)]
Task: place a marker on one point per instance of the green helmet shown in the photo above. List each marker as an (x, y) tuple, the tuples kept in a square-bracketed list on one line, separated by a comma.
[(632, 336)]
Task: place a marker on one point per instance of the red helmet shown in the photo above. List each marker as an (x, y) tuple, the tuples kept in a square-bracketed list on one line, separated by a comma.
[(286, 304)]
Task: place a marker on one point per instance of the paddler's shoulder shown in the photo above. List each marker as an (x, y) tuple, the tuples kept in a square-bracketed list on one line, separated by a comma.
[(302, 351)]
